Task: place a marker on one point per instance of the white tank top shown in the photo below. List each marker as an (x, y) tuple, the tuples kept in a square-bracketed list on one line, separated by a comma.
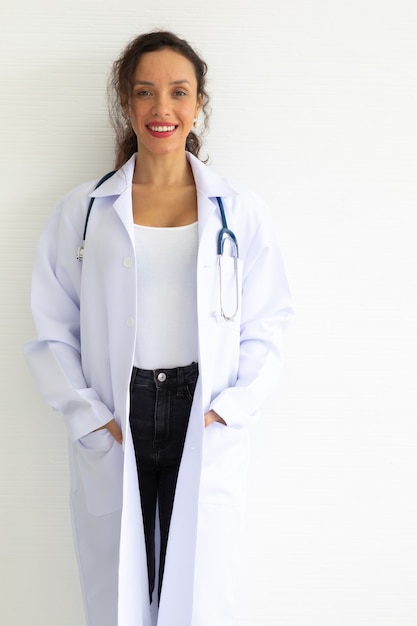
[(166, 296)]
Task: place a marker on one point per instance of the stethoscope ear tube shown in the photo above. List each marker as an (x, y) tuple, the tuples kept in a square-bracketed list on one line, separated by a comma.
[(225, 233), (80, 250), (229, 317)]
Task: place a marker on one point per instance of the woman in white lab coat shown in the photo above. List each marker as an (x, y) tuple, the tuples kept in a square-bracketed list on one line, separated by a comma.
[(153, 303)]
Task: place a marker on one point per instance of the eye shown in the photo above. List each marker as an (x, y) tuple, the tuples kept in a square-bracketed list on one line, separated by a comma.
[(143, 93), (180, 93)]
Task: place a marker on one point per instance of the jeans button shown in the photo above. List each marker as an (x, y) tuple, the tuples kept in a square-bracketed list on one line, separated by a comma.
[(162, 377)]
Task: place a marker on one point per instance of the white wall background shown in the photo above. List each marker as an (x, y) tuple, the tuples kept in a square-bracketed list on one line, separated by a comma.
[(314, 105)]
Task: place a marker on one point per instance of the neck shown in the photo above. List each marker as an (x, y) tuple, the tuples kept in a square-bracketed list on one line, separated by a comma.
[(169, 170)]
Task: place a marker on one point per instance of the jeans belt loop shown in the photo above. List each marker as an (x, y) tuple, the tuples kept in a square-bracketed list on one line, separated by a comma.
[(180, 381)]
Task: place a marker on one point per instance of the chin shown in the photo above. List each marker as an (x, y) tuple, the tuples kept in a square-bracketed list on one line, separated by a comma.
[(163, 150)]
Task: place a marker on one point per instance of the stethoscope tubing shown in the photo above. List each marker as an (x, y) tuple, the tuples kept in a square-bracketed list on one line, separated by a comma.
[(224, 234)]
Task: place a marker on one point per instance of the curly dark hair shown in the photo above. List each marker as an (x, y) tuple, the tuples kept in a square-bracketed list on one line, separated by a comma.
[(120, 86)]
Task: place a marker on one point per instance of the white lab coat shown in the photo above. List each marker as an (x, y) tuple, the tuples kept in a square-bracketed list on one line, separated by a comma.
[(82, 361)]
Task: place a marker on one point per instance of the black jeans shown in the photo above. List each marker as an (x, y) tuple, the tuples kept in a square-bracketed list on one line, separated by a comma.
[(160, 405)]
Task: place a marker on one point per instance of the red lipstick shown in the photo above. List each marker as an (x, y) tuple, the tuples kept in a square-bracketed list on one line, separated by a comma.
[(161, 130)]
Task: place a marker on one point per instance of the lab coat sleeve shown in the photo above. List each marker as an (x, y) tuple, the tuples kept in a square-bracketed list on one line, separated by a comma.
[(54, 358), (266, 312)]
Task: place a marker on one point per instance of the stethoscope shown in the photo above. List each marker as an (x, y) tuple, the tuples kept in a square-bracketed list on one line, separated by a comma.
[(225, 234)]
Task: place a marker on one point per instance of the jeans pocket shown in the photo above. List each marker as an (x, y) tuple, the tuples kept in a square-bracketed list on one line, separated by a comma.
[(189, 390)]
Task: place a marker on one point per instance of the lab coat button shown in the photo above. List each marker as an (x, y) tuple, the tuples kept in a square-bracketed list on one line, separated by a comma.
[(162, 377), (130, 322), (127, 262)]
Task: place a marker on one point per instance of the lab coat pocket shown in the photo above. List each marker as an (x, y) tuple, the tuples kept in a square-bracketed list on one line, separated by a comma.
[(98, 461), (224, 468)]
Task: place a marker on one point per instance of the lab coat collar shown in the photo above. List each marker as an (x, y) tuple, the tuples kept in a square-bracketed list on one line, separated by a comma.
[(118, 183), (208, 183)]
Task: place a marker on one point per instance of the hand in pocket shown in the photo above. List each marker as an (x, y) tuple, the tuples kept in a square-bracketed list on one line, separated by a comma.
[(114, 429)]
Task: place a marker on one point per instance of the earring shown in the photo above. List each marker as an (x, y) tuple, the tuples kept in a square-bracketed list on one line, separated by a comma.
[(195, 123)]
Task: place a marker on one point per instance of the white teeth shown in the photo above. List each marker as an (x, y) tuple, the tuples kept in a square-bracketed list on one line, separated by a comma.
[(162, 129)]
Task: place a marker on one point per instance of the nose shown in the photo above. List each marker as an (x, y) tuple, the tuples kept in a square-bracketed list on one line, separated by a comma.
[(161, 106)]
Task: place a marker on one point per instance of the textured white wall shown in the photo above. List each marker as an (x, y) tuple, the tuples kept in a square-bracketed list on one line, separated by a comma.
[(313, 105)]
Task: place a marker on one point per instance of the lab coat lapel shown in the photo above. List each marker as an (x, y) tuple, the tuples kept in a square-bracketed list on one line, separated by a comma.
[(120, 186), (206, 211), (123, 208), (207, 182), (209, 186)]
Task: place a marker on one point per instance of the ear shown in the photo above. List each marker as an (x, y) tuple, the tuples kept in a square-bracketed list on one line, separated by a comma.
[(199, 105)]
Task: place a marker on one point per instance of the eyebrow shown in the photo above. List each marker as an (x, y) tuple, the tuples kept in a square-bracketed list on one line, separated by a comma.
[(174, 82)]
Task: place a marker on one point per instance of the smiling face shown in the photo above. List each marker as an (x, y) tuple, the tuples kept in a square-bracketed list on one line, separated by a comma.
[(163, 102)]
